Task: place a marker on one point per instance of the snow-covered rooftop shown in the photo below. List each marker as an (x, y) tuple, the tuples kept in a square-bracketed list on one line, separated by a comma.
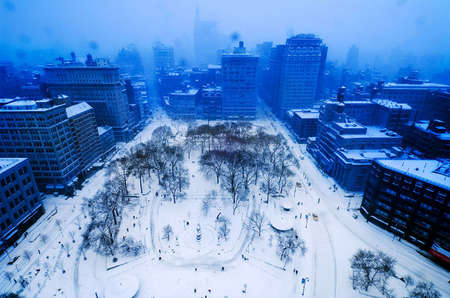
[(392, 104), (77, 109), (373, 132), (7, 163), (429, 171), (102, 129), (307, 113), (415, 86), (423, 125)]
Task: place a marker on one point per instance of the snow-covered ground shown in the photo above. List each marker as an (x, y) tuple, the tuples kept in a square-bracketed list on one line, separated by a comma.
[(185, 266)]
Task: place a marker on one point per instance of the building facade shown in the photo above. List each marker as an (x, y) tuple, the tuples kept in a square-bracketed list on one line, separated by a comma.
[(96, 83), (85, 134), (106, 139), (428, 138), (416, 94), (41, 131), (239, 84), (304, 122), (410, 198), (20, 203), (182, 103), (211, 102), (299, 67)]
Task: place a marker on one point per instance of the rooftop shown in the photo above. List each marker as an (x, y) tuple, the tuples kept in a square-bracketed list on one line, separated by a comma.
[(392, 104), (187, 92), (7, 163), (373, 132), (102, 129), (423, 125), (77, 109), (366, 156), (415, 86), (429, 171), (306, 113)]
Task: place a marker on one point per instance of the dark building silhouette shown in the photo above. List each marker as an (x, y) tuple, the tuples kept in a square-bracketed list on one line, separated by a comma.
[(410, 198)]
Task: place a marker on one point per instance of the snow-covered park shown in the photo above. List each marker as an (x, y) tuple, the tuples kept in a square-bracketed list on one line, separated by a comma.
[(199, 220)]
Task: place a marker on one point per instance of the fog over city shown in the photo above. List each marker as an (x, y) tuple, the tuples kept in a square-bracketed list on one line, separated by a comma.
[(232, 148), (407, 32)]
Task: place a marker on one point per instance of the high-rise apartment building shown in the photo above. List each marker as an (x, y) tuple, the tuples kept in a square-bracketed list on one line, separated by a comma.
[(239, 84), (96, 83), (20, 203), (163, 57), (85, 134), (298, 66), (41, 131)]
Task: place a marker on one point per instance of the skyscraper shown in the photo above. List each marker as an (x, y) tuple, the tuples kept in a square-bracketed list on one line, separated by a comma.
[(96, 83), (299, 67), (352, 61), (163, 57), (41, 131), (239, 84), (85, 134)]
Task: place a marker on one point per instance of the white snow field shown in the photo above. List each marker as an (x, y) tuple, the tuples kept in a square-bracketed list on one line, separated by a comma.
[(193, 262)]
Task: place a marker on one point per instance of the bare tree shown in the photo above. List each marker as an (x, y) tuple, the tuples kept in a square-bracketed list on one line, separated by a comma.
[(371, 269), (161, 135), (121, 169), (105, 210), (232, 181), (167, 232), (268, 184), (176, 177), (213, 162), (256, 222), (139, 163), (424, 290), (131, 247), (288, 243), (208, 201), (223, 230)]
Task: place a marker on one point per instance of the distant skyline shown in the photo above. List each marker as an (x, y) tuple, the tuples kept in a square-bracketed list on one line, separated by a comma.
[(378, 28)]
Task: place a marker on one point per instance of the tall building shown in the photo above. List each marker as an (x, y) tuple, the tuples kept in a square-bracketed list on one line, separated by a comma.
[(106, 139), (211, 102), (130, 61), (428, 138), (163, 57), (304, 122), (182, 103), (437, 106), (96, 83), (40, 130), (345, 149), (352, 61), (414, 93), (20, 203), (239, 84), (85, 134), (299, 67), (410, 198)]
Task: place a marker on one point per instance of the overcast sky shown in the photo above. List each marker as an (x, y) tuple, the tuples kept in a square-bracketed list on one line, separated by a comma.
[(419, 27)]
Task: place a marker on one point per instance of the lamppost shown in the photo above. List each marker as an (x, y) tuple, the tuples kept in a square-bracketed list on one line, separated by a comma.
[(304, 280)]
